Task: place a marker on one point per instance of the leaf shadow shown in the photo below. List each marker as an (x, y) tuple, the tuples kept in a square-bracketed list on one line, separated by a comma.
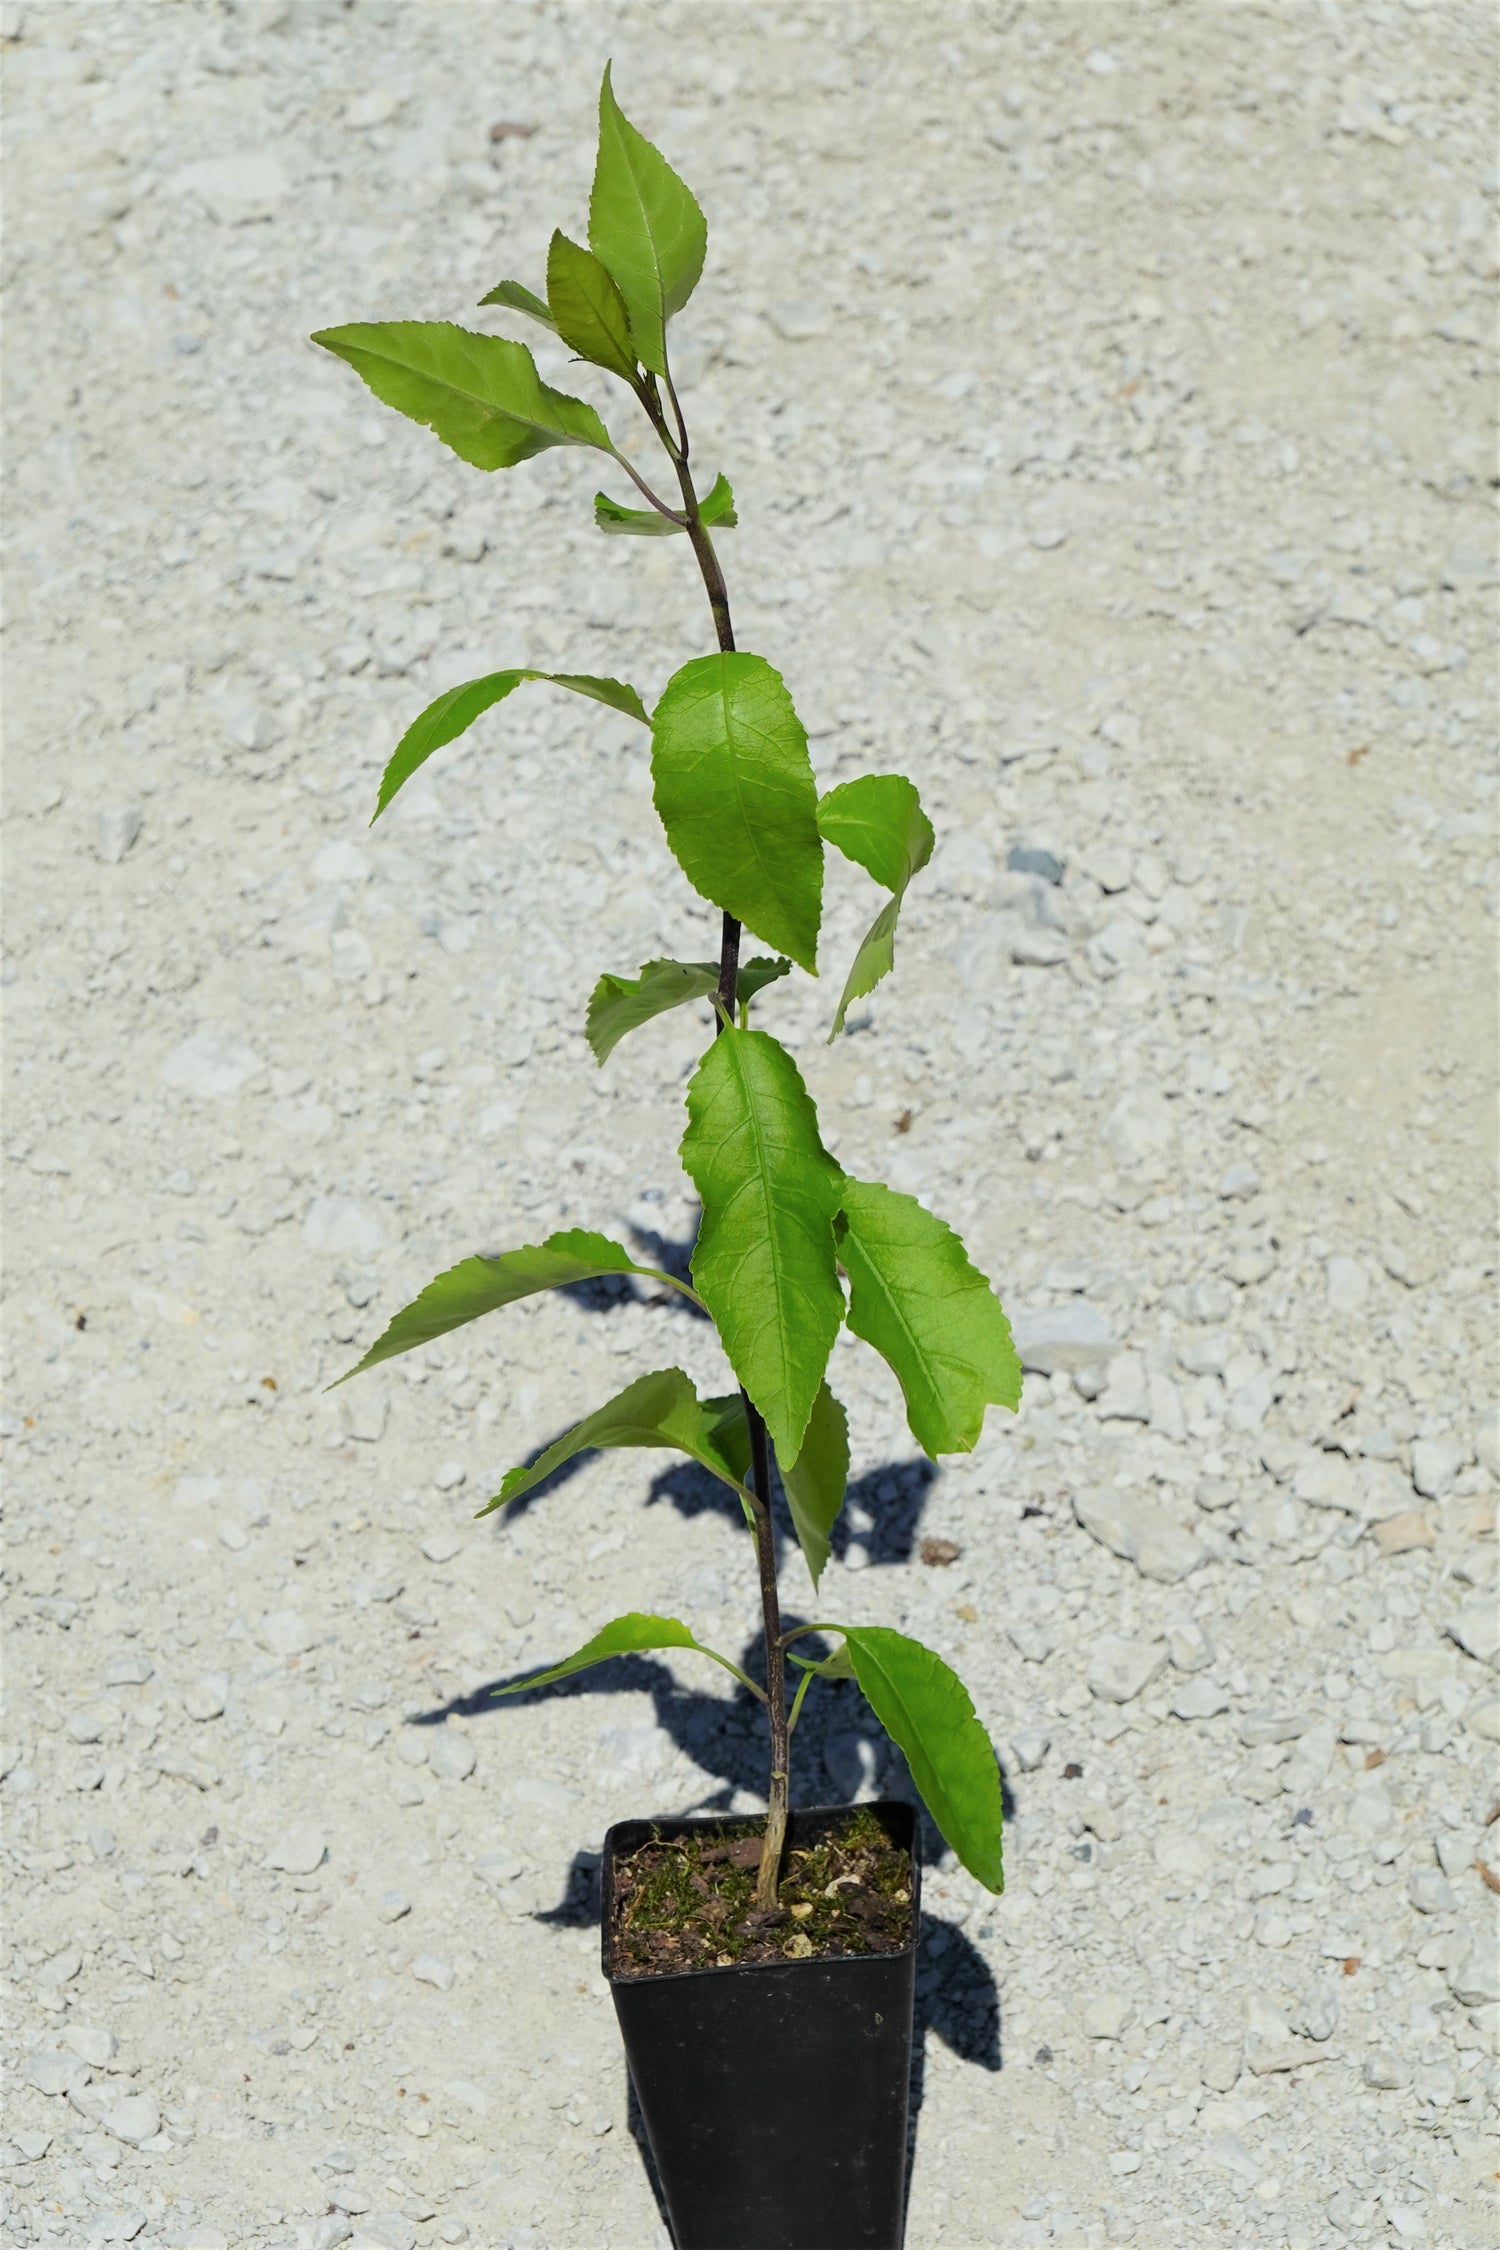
[(880, 1517)]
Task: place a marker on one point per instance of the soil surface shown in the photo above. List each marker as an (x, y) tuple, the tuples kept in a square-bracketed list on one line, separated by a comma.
[(689, 1902), (1108, 393)]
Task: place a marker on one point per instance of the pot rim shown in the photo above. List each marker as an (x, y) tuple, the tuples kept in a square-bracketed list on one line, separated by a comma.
[(681, 1821)]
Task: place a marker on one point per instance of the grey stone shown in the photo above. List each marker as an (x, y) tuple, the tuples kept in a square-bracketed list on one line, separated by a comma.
[(117, 829), (1141, 1532), (1035, 859), (1121, 1665), (392, 1905), (1060, 1339), (1474, 1974), (1386, 2070), (211, 1065)]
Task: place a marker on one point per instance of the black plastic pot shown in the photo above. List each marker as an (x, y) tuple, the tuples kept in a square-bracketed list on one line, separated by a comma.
[(775, 2095)]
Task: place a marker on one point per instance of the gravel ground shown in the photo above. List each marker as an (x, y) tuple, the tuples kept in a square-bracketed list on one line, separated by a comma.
[(1107, 392)]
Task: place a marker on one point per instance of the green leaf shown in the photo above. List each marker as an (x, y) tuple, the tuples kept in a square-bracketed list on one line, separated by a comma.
[(519, 298), (926, 1709), (456, 711), (481, 395), (645, 227), (657, 1410), (587, 308), (914, 1295), (483, 1284), (816, 1481), (621, 1004), (624, 1636), (716, 509), (878, 822), (764, 1261), (734, 787)]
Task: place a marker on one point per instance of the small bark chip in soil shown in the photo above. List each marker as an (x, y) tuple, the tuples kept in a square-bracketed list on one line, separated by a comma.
[(688, 1902)]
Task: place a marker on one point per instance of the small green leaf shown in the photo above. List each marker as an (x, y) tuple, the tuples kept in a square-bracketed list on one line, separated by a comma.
[(624, 1636), (716, 509), (621, 1004), (483, 1284), (839, 1666), (645, 227), (931, 1315), (456, 711), (519, 298), (878, 822), (816, 1481), (657, 1410), (481, 395), (764, 1260), (587, 308), (735, 790), (926, 1709)]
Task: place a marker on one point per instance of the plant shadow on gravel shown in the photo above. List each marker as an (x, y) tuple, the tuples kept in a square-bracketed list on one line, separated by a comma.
[(834, 1751)]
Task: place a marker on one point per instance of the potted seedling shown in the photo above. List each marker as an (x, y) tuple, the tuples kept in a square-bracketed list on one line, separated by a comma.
[(762, 1970)]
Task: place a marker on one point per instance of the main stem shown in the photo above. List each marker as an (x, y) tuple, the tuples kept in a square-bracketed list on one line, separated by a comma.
[(778, 1796)]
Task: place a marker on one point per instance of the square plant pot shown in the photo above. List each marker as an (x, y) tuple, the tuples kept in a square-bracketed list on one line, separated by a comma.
[(775, 2094)]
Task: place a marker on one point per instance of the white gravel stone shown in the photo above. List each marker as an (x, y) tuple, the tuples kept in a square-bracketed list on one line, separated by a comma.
[(117, 829), (1107, 2015), (431, 1968), (1476, 1629), (1199, 1698), (1030, 1747), (1121, 1666), (207, 1697), (1140, 1129), (1431, 1892), (451, 1756), (298, 1850), (135, 2118), (342, 1227), (212, 1064), (287, 1632), (1057, 1339), (1140, 1531), (53, 2073), (1435, 1466), (392, 1905), (441, 1547)]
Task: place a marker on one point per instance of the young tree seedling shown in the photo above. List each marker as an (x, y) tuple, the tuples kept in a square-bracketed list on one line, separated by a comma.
[(790, 1247)]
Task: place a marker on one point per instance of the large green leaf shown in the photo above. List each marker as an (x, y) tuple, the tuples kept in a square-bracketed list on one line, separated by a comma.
[(519, 298), (483, 1284), (646, 228), (926, 1709), (656, 1410), (716, 509), (734, 787), (481, 395), (620, 1004), (764, 1261), (624, 1636), (587, 307), (816, 1481), (878, 822), (914, 1295), (454, 712)]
